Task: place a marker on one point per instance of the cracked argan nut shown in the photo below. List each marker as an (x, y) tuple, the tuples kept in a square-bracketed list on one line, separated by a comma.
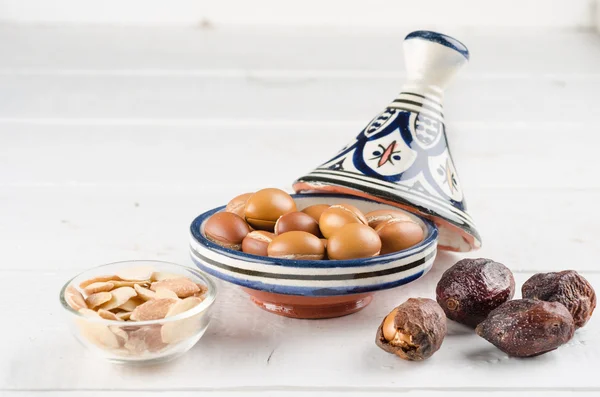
[(527, 327), (226, 229), (397, 235), (375, 218), (414, 330), (315, 211), (256, 242), (567, 287), (237, 205), (353, 241), (472, 288), (296, 245), (338, 216), (297, 221), (264, 207)]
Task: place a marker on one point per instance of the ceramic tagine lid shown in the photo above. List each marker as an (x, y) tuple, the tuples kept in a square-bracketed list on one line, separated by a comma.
[(402, 156)]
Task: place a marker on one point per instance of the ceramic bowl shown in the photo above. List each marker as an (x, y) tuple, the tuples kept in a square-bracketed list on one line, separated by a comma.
[(140, 342), (314, 289)]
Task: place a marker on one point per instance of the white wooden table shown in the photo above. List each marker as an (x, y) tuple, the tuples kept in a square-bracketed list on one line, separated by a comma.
[(113, 139)]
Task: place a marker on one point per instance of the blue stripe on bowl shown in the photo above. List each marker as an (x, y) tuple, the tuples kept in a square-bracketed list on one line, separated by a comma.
[(440, 38), (430, 238)]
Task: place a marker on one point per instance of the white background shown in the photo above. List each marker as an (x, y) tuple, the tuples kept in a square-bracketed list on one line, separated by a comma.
[(113, 136)]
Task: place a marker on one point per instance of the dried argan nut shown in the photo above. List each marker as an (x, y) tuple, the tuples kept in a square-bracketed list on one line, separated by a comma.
[(264, 207), (101, 286), (119, 297), (74, 298), (397, 235), (182, 286), (119, 283), (528, 327), (414, 330), (98, 299), (154, 309), (97, 279), (96, 333), (338, 216), (176, 331), (315, 211), (375, 218), (123, 315), (256, 242), (297, 221), (146, 338), (296, 245), (131, 304), (159, 276), (567, 287), (472, 288), (140, 273), (237, 205), (164, 293), (105, 314), (144, 293), (226, 229), (353, 241)]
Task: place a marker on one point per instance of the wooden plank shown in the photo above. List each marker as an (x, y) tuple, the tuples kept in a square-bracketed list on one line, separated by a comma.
[(263, 351), (377, 13), (185, 97), (307, 53), (79, 227)]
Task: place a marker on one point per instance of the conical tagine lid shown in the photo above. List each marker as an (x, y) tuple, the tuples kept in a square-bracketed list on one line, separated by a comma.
[(402, 156)]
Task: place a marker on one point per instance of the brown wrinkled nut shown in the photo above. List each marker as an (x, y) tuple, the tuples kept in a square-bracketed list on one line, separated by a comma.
[(74, 298), (414, 330), (315, 211), (264, 207), (296, 245), (154, 309), (237, 205), (397, 235), (375, 218), (528, 327), (297, 221), (182, 286), (256, 242), (472, 288), (353, 241), (337, 216), (226, 229), (567, 287)]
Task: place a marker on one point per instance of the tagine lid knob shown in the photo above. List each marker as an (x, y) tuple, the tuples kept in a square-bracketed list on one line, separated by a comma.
[(402, 156)]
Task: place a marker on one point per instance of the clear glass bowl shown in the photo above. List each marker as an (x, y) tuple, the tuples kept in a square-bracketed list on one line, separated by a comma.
[(140, 342)]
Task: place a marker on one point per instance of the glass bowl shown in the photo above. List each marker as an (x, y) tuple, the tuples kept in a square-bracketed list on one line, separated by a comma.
[(139, 342)]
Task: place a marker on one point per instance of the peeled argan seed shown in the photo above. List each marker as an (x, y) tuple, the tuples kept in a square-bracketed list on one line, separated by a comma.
[(144, 293), (74, 298), (297, 221), (119, 283), (375, 218), (108, 315), (527, 327), (159, 276), (97, 279), (567, 287), (172, 332), (472, 288), (131, 304), (237, 205), (397, 235), (154, 309), (226, 229), (182, 286), (97, 334), (337, 216), (264, 207), (98, 299), (296, 245), (315, 211), (164, 293), (120, 333), (102, 286), (124, 315), (119, 296), (146, 338), (256, 242), (140, 273), (414, 330), (353, 241)]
